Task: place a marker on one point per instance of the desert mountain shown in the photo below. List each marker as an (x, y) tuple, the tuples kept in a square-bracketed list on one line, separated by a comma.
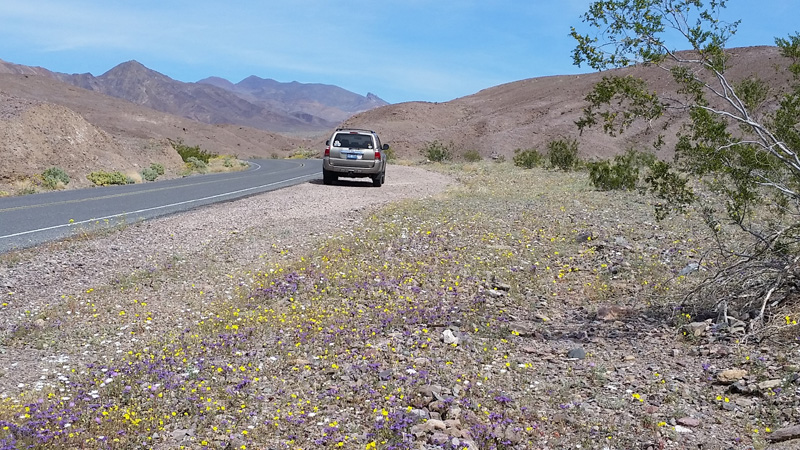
[(45, 122), (254, 102), (523, 114), (530, 113), (197, 101), (309, 102)]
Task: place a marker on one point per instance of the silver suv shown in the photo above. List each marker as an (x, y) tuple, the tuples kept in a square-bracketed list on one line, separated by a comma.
[(355, 153)]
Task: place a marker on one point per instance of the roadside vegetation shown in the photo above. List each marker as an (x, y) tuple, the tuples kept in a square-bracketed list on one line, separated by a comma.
[(504, 315), (629, 303), (197, 160), (54, 178), (304, 153), (741, 142)]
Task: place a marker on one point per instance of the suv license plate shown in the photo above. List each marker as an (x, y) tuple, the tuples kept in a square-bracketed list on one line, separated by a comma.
[(353, 156)]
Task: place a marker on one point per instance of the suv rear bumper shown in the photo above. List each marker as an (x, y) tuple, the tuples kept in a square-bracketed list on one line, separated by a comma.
[(350, 171)]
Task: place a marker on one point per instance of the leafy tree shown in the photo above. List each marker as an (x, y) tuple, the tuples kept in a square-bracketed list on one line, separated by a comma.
[(748, 152)]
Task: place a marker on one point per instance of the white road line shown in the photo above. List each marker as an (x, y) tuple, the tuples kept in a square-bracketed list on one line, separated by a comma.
[(22, 233)]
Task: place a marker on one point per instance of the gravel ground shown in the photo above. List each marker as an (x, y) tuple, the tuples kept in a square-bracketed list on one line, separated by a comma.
[(538, 314), (238, 235)]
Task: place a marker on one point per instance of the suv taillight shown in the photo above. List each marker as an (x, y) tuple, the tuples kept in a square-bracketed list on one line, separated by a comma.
[(377, 154), (328, 150)]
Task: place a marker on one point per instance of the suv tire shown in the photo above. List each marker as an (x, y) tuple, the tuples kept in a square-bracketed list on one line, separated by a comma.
[(379, 179), (329, 177)]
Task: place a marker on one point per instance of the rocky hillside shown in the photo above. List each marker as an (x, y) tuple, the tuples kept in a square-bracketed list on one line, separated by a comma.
[(45, 123), (523, 114), (530, 113), (197, 101), (37, 135), (254, 102)]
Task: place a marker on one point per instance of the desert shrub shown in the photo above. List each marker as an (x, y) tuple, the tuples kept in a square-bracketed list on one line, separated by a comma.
[(227, 162), (670, 187), (622, 173), (527, 158), (563, 153), (102, 178), (740, 141), (149, 174), (158, 167), (389, 154), (472, 156), (187, 151), (640, 158), (437, 152), (53, 176), (613, 176), (197, 164), (304, 153)]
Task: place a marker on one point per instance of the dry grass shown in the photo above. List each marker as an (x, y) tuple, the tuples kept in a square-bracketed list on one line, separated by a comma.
[(344, 346)]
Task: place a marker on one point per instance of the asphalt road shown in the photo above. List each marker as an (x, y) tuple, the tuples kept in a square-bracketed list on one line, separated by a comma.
[(30, 220)]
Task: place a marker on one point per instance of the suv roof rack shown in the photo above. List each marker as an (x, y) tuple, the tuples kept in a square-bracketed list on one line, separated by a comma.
[(354, 129)]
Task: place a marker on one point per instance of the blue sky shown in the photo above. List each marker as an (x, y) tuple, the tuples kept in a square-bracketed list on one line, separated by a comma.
[(400, 50)]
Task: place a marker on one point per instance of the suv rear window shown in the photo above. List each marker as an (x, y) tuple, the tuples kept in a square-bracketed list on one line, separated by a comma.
[(352, 140)]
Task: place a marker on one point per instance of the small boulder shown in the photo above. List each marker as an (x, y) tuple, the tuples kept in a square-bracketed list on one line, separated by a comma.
[(696, 329), (449, 337), (784, 434), (611, 312), (576, 353), (769, 384), (731, 376), (689, 422)]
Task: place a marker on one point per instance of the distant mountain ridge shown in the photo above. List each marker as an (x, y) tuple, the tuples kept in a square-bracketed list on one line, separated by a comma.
[(254, 102), (524, 114), (327, 102)]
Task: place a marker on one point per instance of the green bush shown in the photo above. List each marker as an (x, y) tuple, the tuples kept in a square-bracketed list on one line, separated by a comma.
[(608, 176), (149, 174), (670, 187), (227, 162), (563, 153), (304, 153), (639, 158), (527, 158), (437, 152), (159, 168), (622, 173), (472, 156), (389, 154), (187, 152), (102, 178), (193, 163), (53, 176)]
